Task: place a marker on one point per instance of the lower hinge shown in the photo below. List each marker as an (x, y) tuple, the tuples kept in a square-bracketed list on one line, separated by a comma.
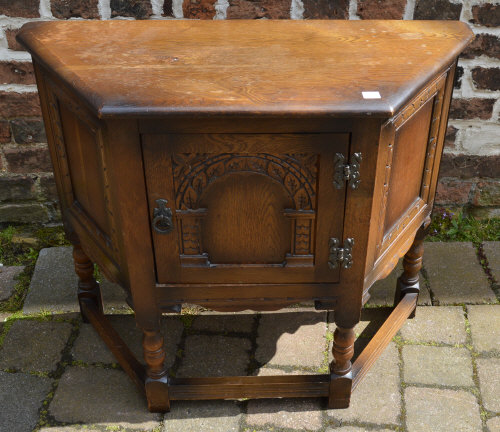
[(340, 256)]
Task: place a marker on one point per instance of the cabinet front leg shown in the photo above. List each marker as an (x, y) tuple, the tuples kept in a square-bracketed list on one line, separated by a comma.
[(340, 369), (408, 282), (157, 376), (88, 288)]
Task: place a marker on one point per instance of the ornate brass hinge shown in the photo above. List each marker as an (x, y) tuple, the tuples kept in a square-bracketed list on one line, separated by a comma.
[(344, 172), (338, 255)]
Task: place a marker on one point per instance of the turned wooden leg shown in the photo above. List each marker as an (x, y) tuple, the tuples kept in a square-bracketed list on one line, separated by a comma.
[(341, 375), (408, 282), (88, 287), (157, 376)]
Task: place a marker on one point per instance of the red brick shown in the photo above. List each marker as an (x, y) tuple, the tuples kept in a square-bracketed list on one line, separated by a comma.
[(483, 44), (15, 72), (453, 191), (326, 9), (437, 10), (4, 131), (471, 108), (487, 15), (468, 166), (252, 9), (20, 8), (32, 213), (199, 9), (451, 135), (75, 9), (381, 9), (13, 104), (28, 160), (487, 194), (17, 188), (28, 131), (48, 186), (139, 9), (13, 44), (486, 78)]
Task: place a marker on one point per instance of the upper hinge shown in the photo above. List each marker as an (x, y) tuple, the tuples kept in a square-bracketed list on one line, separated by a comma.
[(344, 172), (338, 255)]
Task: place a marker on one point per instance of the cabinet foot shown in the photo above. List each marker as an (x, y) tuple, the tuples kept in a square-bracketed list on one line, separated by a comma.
[(157, 394), (341, 374), (88, 287), (156, 383)]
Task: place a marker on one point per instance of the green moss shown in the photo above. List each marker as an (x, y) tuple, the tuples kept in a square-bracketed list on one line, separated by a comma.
[(448, 226), (14, 252)]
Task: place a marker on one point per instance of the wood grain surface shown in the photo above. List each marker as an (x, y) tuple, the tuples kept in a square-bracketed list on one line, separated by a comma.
[(258, 67)]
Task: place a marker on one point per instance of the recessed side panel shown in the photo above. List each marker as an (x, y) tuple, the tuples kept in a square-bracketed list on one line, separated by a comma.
[(85, 168), (77, 149), (410, 147)]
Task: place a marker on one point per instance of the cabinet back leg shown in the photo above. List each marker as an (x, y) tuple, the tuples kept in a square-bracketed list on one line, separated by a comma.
[(88, 287), (409, 282)]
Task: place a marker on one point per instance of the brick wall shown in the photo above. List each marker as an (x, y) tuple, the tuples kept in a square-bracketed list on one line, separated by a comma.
[(470, 170)]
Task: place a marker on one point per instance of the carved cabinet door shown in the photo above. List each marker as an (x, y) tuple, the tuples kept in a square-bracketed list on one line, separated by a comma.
[(253, 208)]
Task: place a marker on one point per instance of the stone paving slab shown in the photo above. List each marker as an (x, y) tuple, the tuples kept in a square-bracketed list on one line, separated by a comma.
[(455, 275), (492, 252), (8, 274), (79, 428), (224, 323), (444, 324), (203, 416), (356, 429), (215, 356), (34, 345), (293, 338), (96, 395), (437, 366), (90, 348), (493, 424), (377, 398), (382, 291), (21, 396), (54, 284), (297, 414), (489, 382), (485, 327), (441, 410)]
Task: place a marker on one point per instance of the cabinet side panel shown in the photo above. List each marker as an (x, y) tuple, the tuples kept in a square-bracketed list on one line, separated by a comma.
[(407, 164), (76, 145), (85, 170)]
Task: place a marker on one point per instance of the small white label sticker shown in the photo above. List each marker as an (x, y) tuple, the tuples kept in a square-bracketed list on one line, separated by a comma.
[(371, 95)]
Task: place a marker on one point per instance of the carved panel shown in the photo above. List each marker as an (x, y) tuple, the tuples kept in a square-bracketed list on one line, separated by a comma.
[(194, 172), (434, 90)]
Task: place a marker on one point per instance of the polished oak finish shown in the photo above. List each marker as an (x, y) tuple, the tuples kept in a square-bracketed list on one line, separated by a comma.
[(246, 165)]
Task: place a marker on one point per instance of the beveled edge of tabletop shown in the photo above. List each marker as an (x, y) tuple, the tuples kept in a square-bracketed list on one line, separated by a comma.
[(103, 109)]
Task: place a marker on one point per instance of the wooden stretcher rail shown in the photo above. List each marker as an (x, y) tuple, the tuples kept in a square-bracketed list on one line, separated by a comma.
[(238, 387), (114, 342), (382, 338)]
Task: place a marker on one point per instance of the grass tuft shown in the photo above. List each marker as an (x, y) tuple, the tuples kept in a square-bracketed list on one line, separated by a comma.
[(448, 226)]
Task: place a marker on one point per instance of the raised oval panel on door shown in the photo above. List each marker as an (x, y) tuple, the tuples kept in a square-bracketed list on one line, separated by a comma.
[(254, 208)]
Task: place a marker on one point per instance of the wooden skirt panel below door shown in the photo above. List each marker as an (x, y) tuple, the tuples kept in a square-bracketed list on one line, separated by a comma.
[(245, 208)]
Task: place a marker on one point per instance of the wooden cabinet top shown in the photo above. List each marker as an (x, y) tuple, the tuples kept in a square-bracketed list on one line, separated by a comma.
[(249, 68)]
